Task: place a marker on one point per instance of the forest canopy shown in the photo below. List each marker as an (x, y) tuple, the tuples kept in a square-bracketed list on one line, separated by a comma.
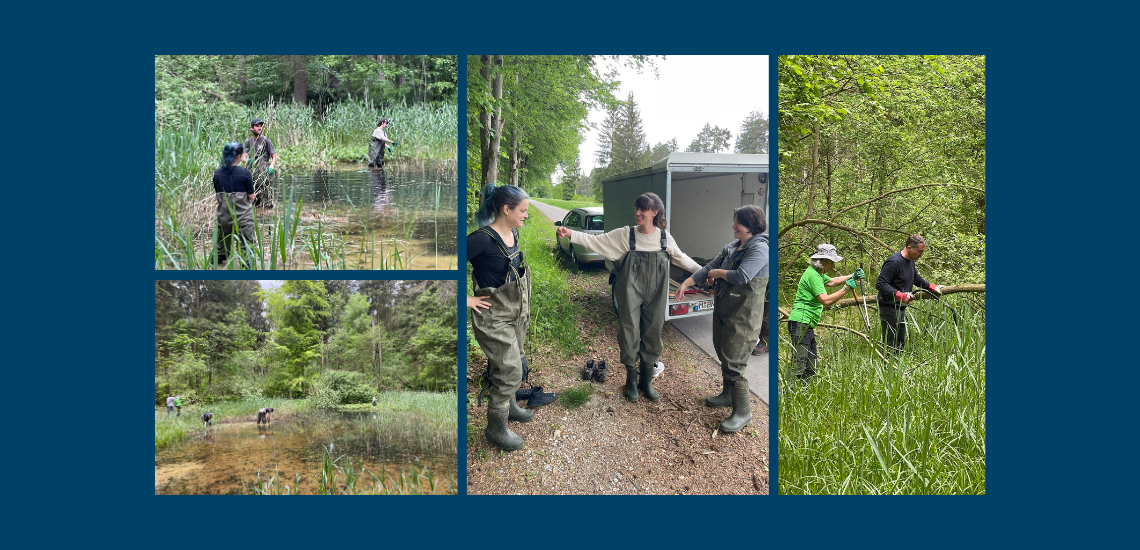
[(338, 341)]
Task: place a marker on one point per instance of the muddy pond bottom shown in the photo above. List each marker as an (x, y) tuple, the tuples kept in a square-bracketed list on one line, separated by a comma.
[(226, 458)]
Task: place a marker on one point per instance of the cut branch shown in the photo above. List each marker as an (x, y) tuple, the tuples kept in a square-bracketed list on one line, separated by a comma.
[(888, 193), (946, 291)]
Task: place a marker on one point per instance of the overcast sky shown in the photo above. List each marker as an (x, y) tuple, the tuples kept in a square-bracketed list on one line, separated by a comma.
[(270, 285), (690, 91)]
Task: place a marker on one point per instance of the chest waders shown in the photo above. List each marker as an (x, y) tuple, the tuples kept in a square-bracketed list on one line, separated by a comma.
[(235, 223), (257, 165), (501, 331), (642, 292), (892, 320), (375, 153), (738, 315)]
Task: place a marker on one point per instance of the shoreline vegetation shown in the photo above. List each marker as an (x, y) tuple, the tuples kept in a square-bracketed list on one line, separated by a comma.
[(319, 112)]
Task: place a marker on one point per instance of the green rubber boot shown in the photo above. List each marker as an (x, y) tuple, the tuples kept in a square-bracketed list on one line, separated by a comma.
[(630, 391), (497, 431), (722, 400), (741, 410), (517, 413), (646, 383)]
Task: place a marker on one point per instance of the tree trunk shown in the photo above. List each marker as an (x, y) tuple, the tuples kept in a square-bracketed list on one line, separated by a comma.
[(300, 80), (400, 80), (812, 179), (490, 119), (514, 175), (946, 291)]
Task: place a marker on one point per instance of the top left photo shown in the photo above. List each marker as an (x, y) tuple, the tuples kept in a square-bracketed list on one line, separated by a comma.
[(305, 162)]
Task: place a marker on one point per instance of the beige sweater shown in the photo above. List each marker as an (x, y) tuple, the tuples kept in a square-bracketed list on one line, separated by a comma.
[(613, 245)]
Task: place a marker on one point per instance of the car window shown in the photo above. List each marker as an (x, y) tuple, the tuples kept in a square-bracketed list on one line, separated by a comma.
[(594, 223), (575, 220), (566, 220)]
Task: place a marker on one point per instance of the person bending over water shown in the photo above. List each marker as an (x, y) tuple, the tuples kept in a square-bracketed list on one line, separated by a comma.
[(263, 416)]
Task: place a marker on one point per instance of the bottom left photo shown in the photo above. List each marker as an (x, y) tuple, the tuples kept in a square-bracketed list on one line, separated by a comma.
[(305, 387)]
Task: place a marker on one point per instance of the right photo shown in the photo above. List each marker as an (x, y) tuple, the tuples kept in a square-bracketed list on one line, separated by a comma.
[(882, 274)]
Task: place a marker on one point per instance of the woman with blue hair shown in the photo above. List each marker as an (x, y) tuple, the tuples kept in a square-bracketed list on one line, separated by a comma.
[(233, 188), (501, 305)]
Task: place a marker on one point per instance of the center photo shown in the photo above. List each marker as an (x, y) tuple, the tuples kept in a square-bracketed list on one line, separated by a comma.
[(617, 249)]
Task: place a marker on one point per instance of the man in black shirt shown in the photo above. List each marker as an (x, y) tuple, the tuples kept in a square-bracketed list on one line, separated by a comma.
[(896, 280), (262, 158)]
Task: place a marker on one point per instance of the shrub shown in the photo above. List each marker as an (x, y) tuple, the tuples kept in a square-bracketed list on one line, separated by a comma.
[(338, 387)]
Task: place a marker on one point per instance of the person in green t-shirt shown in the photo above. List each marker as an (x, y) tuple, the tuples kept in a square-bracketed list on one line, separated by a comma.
[(178, 405), (811, 297)]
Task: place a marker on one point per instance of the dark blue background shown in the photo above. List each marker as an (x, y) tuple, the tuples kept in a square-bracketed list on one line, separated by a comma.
[(1059, 180)]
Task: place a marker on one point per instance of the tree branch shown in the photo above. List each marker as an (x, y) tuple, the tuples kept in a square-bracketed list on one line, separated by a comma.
[(888, 193), (847, 228)]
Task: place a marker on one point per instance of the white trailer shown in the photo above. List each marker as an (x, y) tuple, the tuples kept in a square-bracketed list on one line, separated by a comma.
[(700, 192)]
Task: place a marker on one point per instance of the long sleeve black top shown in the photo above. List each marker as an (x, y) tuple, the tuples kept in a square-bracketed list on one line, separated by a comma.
[(898, 273), (488, 263)]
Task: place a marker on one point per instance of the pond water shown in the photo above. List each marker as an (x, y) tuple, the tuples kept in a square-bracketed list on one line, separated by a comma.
[(370, 214), (219, 459)]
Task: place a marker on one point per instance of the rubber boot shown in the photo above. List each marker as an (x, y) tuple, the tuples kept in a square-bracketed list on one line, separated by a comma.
[(497, 431), (741, 410), (630, 383), (646, 383), (517, 413), (722, 400)]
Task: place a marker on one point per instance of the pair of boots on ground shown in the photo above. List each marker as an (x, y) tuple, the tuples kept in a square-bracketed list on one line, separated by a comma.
[(595, 371)]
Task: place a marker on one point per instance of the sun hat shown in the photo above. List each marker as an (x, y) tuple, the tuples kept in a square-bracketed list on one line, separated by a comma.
[(826, 252)]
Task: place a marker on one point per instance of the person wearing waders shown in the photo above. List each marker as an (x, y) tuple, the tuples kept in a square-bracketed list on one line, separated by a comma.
[(896, 280), (373, 400), (811, 297), (206, 417), (264, 416), (233, 189), (501, 305), (378, 143), (641, 257), (169, 405), (262, 157), (178, 405), (739, 275)]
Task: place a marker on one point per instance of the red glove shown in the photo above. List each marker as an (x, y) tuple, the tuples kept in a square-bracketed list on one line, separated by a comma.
[(937, 289), (903, 297)]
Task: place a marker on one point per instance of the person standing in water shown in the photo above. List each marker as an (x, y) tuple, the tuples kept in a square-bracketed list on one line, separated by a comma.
[(262, 157), (233, 189), (378, 143), (641, 257), (373, 400), (206, 417), (501, 306), (263, 415), (740, 277)]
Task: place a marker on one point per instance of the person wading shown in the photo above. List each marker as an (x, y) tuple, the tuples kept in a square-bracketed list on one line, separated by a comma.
[(809, 303), (378, 143), (641, 259), (263, 157), (501, 305), (896, 280), (740, 276), (233, 189)]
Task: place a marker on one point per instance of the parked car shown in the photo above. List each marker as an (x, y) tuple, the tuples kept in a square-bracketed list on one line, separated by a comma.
[(587, 220)]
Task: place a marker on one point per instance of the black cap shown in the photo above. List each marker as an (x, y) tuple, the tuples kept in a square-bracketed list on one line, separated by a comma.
[(256, 121)]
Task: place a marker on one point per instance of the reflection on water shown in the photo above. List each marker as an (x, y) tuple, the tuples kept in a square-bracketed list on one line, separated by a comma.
[(220, 459), (372, 213)]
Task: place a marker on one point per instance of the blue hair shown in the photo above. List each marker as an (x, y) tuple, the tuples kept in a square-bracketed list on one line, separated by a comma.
[(495, 198), (230, 152)]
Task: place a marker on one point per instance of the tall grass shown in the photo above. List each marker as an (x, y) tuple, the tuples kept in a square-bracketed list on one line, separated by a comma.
[(339, 477), (913, 425)]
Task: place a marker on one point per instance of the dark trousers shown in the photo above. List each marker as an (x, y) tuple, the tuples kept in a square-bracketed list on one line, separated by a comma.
[(892, 318), (803, 337)]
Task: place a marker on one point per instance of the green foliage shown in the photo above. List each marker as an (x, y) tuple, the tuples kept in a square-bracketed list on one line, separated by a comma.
[(161, 392), (577, 396), (712, 139), (915, 425), (336, 387)]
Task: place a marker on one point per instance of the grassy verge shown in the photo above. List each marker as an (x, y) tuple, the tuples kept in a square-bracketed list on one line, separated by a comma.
[(914, 426), (569, 205)]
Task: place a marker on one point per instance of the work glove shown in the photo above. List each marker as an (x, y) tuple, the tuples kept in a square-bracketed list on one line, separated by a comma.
[(269, 170), (859, 273), (389, 149), (937, 289), (851, 282), (903, 297), (395, 143)]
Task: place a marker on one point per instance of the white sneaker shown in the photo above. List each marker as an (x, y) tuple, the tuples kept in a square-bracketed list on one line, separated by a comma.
[(658, 368)]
